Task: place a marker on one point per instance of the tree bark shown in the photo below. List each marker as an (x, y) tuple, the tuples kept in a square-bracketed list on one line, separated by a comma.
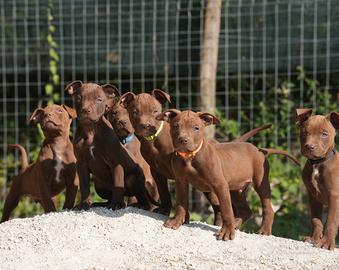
[(209, 59)]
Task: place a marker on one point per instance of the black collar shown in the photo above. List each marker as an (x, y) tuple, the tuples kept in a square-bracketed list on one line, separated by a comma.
[(330, 155)]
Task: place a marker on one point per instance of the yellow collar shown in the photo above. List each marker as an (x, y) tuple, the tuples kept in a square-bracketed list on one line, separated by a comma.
[(152, 138), (192, 154)]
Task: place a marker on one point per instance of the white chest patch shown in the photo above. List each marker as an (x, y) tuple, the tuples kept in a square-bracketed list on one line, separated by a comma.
[(91, 151), (315, 178), (58, 167)]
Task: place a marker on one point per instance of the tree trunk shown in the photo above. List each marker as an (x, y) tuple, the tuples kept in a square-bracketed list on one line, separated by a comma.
[(208, 72), (209, 59)]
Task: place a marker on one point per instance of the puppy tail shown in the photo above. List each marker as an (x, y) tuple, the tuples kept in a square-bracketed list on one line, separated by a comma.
[(23, 156), (271, 151), (251, 133)]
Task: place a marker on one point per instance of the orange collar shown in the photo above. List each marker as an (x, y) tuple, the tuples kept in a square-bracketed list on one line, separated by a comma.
[(192, 154)]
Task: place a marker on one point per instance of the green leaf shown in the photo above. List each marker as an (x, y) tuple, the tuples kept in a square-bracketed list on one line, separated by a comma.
[(49, 89)]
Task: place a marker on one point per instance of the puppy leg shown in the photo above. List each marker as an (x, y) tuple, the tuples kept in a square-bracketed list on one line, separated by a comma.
[(12, 200), (165, 196), (181, 206), (213, 199), (262, 187), (71, 193), (136, 187), (317, 225), (242, 211)]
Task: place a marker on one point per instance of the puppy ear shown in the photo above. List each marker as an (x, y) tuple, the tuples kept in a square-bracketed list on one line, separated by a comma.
[(208, 118), (71, 112), (168, 115), (112, 94), (301, 115), (72, 87), (37, 115), (126, 99), (161, 96), (334, 119)]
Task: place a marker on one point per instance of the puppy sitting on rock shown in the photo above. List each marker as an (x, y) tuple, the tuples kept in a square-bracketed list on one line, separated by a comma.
[(321, 173), (218, 168), (55, 168)]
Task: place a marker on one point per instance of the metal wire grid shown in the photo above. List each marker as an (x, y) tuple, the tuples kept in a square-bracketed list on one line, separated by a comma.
[(141, 45)]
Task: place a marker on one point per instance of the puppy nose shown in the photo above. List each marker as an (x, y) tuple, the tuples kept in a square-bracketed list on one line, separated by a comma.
[(145, 126), (183, 140), (310, 146), (86, 110), (122, 122)]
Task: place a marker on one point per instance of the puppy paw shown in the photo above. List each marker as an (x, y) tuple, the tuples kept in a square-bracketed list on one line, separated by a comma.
[(117, 205), (225, 233), (173, 223), (85, 205), (265, 230), (325, 243)]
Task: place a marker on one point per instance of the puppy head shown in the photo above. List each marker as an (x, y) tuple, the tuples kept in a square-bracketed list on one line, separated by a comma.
[(91, 100), (143, 110), (54, 119), (317, 132), (187, 128), (119, 118)]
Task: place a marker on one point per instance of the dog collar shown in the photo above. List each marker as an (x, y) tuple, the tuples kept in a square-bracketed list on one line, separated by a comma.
[(152, 138), (329, 156), (192, 154), (127, 139)]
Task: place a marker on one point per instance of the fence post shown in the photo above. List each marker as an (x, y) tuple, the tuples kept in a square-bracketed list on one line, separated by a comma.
[(208, 72), (209, 59)]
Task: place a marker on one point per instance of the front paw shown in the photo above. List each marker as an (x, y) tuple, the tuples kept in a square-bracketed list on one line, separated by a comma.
[(225, 233), (84, 205), (325, 243), (174, 223), (117, 205)]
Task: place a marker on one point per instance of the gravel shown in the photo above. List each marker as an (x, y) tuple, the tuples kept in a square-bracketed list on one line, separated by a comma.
[(135, 239)]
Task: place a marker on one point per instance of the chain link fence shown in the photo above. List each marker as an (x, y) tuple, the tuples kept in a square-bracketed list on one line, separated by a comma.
[(274, 55)]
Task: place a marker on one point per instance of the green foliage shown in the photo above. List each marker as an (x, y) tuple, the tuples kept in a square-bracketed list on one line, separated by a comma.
[(53, 58)]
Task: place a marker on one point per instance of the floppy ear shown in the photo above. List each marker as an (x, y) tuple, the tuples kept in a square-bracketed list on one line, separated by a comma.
[(301, 115), (73, 86), (126, 99), (112, 94), (71, 112), (334, 119), (168, 115), (161, 96), (37, 115), (208, 118)]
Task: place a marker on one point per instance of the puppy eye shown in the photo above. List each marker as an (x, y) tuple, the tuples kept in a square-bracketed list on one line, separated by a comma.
[(99, 100), (155, 111), (196, 128), (60, 111), (78, 99), (135, 112), (324, 134)]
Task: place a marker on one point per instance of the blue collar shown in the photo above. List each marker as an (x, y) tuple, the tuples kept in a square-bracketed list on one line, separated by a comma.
[(127, 139)]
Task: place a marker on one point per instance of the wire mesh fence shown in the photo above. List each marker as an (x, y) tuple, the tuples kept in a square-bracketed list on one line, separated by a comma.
[(273, 55)]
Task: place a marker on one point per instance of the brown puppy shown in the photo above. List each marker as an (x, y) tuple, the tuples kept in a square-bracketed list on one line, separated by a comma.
[(321, 172), (157, 147), (119, 118), (99, 152), (55, 168), (216, 167)]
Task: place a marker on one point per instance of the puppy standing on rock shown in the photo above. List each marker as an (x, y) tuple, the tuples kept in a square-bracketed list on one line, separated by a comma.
[(55, 168), (216, 167), (321, 173), (122, 126), (99, 152)]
